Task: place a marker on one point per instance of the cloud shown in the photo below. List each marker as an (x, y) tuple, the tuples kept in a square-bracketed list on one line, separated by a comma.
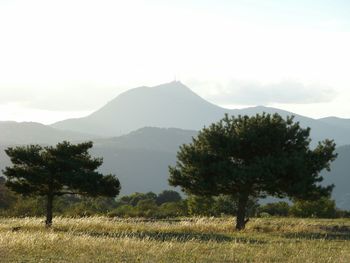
[(254, 93), (10, 94)]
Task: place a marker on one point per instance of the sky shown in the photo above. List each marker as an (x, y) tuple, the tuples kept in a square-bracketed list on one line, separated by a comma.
[(67, 58)]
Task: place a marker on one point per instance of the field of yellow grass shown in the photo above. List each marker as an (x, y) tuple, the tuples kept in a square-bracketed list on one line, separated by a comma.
[(101, 239)]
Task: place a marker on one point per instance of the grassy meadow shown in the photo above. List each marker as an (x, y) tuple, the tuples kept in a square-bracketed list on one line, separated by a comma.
[(102, 239)]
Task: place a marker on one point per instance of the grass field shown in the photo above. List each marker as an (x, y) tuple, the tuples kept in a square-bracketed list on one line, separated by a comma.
[(100, 239)]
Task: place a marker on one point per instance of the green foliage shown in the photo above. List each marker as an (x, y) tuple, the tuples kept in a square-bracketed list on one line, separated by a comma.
[(322, 208), (173, 209), (134, 198), (27, 206), (200, 205), (251, 157), (87, 206), (342, 213), (64, 169), (218, 205), (168, 196), (166, 204), (224, 205), (56, 171), (147, 208), (124, 211), (275, 209), (7, 197)]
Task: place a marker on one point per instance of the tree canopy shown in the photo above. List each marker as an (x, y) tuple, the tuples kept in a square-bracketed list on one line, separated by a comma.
[(252, 157), (168, 196), (54, 171)]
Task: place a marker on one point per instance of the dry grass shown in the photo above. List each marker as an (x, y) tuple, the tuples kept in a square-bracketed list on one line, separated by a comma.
[(100, 239)]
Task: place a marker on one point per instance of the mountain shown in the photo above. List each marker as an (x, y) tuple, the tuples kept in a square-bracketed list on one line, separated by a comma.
[(156, 139), (31, 133), (340, 122), (141, 159), (168, 105), (175, 105), (340, 177)]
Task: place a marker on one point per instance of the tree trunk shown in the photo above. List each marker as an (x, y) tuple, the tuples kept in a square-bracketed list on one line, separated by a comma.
[(49, 203), (241, 212)]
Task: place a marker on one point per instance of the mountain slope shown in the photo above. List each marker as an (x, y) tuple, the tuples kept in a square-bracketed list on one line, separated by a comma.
[(175, 105), (339, 122), (156, 139), (320, 130), (31, 133), (340, 177), (141, 158)]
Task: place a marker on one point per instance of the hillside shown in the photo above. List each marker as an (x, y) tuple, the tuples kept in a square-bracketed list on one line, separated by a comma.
[(149, 138), (340, 177), (31, 133), (340, 122), (141, 159)]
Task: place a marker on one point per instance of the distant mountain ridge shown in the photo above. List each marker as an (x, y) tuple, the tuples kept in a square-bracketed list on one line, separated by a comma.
[(160, 139), (340, 177), (173, 105), (339, 122), (31, 133)]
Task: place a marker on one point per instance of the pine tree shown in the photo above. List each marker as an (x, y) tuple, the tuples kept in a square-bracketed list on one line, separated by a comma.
[(55, 171), (252, 157)]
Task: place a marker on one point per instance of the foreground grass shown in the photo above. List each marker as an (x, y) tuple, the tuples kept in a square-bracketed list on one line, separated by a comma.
[(100, 239)]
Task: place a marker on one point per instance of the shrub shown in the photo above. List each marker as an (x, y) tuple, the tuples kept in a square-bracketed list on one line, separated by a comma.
[(173, 209), (275, 209), (322, 208), (168, 196)]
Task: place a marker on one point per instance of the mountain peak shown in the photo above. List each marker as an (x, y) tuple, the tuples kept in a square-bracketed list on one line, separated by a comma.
[(173, 84), (168, 105), (172, 95), (173, 87)]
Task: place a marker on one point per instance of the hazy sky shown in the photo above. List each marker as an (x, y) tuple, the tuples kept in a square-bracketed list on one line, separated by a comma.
[(61, 59)]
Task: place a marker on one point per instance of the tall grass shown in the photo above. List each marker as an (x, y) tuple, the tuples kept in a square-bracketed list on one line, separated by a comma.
[(100, 239)]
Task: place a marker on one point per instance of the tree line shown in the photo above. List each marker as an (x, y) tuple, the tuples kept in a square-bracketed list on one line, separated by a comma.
[(239, 158), (167, 204)]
